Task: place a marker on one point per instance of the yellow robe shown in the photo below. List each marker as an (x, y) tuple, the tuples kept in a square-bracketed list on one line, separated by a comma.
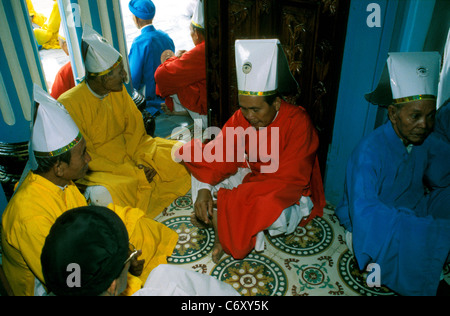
[(47, 35), (32, 211), (117, 143), (37, 18)]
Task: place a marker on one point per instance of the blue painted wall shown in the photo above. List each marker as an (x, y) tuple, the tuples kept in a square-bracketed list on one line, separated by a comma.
[(404, 27), (20, 67), (104, 21)]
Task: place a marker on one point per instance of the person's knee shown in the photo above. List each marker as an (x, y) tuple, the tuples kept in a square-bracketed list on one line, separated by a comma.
[(98, 195)]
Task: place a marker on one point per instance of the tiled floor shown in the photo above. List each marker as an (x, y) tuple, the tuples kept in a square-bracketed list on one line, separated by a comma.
[(313, 261)]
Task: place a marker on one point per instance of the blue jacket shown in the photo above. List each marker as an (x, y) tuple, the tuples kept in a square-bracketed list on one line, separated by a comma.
[(395, 223), (145, 57)]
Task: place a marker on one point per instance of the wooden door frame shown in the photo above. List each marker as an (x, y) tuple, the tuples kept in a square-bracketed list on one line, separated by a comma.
[(218, 85)]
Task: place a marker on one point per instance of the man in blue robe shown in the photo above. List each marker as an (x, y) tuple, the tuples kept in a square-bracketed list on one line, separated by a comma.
[(397, 191), (145, 53)]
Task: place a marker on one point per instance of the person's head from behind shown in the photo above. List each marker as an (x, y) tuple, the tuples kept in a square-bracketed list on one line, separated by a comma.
[(197, 34), (143, 12), (197, 26), (57, 144), (86, 253)]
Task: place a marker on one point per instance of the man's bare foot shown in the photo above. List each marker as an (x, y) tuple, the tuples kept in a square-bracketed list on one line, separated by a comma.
[(198, 223), (217, 252)]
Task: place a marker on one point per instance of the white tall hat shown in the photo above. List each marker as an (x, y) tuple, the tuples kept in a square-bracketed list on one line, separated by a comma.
[(262, 68), (407, 77), (54, 131), (444, 83), (198, 18), (100, 57)]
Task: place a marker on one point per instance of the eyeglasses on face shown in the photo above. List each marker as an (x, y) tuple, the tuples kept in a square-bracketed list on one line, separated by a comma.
[(132, 251)]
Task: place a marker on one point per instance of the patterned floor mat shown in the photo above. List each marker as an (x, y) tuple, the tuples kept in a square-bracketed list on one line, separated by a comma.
[(312, 261)]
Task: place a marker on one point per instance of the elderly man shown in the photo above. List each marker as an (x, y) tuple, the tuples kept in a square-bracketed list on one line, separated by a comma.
[(49, 191), (397, 191), (262, 167), (128, 166), (146, 50), (181, 79)]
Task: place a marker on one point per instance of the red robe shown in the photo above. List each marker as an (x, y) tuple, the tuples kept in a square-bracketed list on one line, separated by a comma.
[(186, 77), (255, 204), (63, 81)]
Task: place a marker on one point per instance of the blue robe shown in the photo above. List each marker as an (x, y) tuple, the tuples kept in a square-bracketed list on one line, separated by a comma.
[(442, 126), (394, 222), (145, 57)]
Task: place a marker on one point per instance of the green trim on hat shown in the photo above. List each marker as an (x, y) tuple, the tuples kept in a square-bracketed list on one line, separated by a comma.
[(415, 98), (197, 25), (257, 93), (61, 150), (98, 74)]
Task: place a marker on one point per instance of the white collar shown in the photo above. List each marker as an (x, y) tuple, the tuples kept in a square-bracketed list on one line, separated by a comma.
[(409, 148)]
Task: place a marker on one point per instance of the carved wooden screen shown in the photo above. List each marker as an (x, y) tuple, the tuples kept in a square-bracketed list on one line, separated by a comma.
[(312, 33)]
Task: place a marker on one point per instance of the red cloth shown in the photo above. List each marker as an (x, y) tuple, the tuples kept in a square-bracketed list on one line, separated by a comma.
[(63, 81), (255, 204), (186, 77)]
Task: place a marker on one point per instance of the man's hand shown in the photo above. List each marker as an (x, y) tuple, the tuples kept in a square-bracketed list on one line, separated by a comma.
[(166, 109), (180, 53), (166, 55), (149, 172), (204, 205), (136, 266)]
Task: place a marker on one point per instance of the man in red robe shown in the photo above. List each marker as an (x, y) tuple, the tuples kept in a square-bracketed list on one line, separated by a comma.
[(181, 78), (262, 168), (64, 80)]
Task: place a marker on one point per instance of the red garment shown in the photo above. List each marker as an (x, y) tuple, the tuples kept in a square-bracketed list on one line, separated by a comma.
[(63, 81), (255, 204), (186, 77)]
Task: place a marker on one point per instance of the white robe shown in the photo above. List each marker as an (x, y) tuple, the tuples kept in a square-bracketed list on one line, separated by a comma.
[(169, 280)]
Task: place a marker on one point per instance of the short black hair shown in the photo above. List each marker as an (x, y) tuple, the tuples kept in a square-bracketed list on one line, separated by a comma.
[(270, 99), (47, 163)]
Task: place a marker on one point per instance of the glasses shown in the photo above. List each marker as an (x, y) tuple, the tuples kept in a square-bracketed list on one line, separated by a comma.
[(131, 249)]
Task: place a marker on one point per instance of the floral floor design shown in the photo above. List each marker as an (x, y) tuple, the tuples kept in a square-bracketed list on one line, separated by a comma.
[(313, 261)]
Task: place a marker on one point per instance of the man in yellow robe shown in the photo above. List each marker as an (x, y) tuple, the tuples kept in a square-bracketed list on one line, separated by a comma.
[(135, 168), (49, 191)]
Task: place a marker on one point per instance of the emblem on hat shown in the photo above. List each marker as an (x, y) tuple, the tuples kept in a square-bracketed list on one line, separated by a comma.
[(422, 71), (247, 68)]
